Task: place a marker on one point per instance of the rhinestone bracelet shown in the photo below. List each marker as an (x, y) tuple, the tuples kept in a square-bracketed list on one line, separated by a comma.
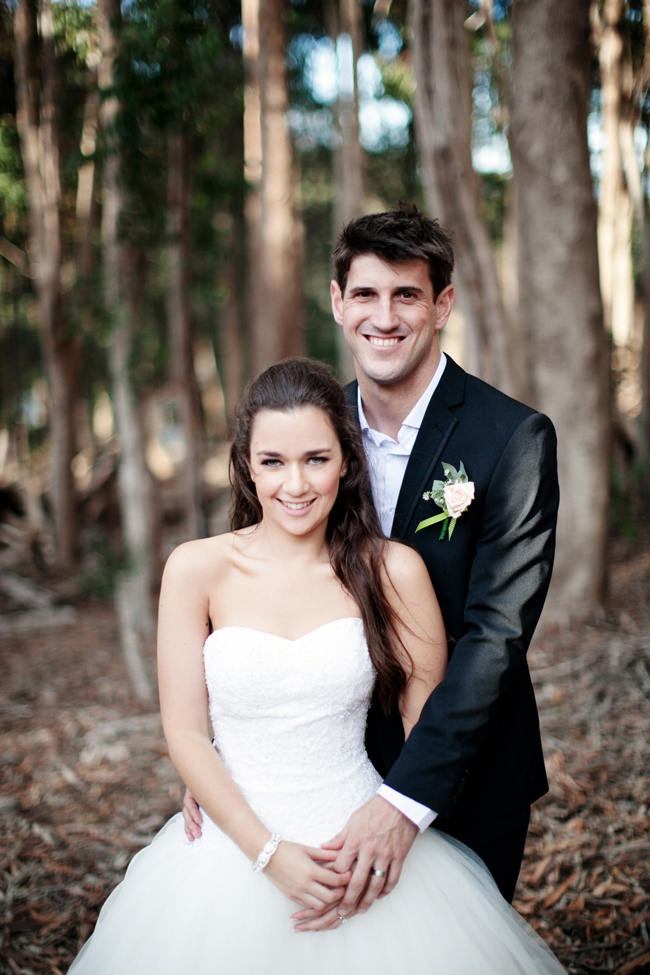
[(267, 853)]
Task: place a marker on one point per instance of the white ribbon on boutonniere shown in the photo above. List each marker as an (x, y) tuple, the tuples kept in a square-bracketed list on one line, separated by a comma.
[(454, 496)]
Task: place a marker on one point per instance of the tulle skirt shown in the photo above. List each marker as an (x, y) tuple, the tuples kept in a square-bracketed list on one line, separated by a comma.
[(198, 908)]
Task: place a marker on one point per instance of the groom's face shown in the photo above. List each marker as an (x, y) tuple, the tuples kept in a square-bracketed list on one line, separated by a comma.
[(390, 319)]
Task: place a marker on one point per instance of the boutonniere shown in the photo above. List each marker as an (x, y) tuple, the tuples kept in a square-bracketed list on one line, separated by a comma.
[(454, 496)]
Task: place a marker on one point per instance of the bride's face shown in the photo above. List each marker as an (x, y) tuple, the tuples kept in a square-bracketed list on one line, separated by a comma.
[(296, 463)]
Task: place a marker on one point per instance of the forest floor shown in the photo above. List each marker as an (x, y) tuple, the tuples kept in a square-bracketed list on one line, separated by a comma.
[(86, 781)]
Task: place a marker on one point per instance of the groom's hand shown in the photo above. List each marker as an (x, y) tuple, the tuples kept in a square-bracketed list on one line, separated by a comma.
[(376, 838), (192, 817)]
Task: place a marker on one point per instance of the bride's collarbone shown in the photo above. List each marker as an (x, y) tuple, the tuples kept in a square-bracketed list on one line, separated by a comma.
[(284, 601)]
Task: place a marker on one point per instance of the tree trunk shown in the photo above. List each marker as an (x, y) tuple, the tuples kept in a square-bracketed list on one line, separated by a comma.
[(644, 367), (615, 209), (345, 29), (443, 109), (86, 205), (253, 171), (231, 334), (644, 412), (37, 100), (180, 327), (278, 327), (558, 279), (134, 486)]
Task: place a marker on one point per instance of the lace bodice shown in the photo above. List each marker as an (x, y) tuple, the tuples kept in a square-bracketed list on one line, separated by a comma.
[(289, 721)]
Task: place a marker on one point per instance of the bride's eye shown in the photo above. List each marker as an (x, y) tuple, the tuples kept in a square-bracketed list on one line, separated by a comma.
[(318, 460), (271, 462)]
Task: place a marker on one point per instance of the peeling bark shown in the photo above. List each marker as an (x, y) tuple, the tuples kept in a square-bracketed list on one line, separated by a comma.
[(443, 102), (135, 583), (558, 281), (37, 87)]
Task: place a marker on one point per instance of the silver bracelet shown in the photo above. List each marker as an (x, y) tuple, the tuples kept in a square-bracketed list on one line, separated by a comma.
[(267, 853)]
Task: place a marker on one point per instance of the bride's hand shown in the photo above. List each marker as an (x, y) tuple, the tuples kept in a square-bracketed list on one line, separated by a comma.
[(303, 875)]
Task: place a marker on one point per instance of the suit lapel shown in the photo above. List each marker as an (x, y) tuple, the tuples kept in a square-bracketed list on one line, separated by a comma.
[(437, 425)]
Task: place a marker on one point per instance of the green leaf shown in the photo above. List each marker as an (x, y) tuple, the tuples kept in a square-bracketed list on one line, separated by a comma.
[(451, 528), (432, 521), (450, 472)]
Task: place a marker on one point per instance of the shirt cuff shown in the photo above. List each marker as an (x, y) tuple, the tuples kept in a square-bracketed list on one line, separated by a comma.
[(421, 815)]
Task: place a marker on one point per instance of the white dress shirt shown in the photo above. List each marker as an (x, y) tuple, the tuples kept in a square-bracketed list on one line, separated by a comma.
[(387, 460)]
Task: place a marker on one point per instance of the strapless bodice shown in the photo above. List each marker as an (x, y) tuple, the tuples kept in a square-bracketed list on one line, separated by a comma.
[(289, 721)]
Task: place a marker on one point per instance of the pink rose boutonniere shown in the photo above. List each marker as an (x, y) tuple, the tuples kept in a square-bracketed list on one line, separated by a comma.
[(454, 496)]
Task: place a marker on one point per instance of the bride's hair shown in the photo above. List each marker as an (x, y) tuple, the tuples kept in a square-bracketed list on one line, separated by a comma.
[(355, 540)]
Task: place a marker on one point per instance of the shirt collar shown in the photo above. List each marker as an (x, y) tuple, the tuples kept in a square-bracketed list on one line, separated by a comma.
[(416, 415)]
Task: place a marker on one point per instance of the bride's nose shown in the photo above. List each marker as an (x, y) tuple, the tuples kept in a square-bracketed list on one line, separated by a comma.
[(295, 482)]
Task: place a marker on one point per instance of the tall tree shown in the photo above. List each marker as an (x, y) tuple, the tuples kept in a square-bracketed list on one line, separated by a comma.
[(615, 212), (253, 171), (278, 323), (179, 321), (345, 28), (558, 278), (38, 98), (443, 116), (135, 581)]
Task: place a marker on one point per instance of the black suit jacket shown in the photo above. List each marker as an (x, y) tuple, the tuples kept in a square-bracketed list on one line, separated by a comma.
[(476, 750)]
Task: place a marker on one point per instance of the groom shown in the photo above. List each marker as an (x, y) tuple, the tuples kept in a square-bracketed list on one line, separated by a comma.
[(473, 764)]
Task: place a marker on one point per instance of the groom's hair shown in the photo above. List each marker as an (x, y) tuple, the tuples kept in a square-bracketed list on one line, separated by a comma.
[(400, 234)]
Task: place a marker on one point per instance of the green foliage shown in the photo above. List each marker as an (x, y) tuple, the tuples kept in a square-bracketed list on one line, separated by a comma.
[(7, 94), (20, 351), (13, 194), (494, 195), (102, 568), (75, 30)]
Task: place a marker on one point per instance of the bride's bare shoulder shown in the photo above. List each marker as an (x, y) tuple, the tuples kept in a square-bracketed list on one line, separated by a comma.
[(201, 557), (403, 564)]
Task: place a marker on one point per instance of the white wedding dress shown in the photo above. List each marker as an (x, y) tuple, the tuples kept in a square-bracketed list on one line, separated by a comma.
[(289, 719)]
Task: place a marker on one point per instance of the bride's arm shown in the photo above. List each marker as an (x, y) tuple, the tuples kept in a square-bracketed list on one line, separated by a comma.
[(420, 629), (183, 626)]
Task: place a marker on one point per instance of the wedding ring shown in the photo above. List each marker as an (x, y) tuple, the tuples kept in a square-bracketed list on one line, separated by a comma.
[(379, 873), (341, 917)]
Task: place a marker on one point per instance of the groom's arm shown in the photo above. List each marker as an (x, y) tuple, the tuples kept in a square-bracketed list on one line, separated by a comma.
[(508, 584), (419, 814)]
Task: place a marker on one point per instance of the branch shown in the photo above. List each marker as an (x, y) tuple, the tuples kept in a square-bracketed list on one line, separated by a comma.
[(14, 255)]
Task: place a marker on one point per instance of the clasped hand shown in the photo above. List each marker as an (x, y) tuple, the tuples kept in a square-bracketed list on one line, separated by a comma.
[(347, 874), (370, 849)]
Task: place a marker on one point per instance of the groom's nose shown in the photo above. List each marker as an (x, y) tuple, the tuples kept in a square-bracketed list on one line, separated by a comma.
[(384, 317)]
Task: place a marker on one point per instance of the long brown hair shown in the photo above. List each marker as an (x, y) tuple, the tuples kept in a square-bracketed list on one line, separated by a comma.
[(354, 537)]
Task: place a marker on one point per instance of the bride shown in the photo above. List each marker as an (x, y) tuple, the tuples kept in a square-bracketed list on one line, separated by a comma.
[(270, 639)]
